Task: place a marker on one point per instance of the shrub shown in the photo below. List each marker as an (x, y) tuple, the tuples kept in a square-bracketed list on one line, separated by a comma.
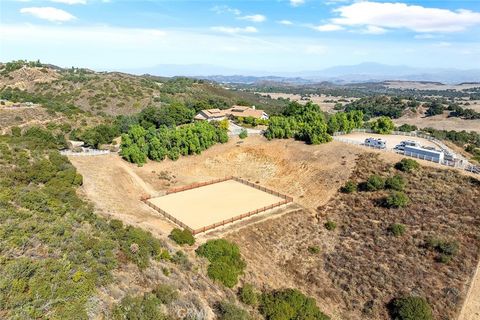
[(330, 225), (397, 199), (182, 237), (116, 225), (397, 229), (226, 264), (181, 259), (243, 134), (138, 245), (165, 293), (16, 131), (410, 308), (314, 250), (446, 249), (395, 183), (289, 304), (407, 165), (144, 307), (349, 187), (248, 295), (230, 311), (375, 183), (407, 128)]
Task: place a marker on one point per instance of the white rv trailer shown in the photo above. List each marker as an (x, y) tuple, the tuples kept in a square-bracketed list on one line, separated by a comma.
[(375, 143)]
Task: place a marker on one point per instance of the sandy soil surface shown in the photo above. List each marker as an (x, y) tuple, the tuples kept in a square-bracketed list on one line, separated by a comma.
[(310, 174), (440, 122), (392, 140), (204, 206)]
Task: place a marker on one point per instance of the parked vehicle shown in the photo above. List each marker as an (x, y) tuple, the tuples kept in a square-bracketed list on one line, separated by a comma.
[(375, 143), (406, 143)]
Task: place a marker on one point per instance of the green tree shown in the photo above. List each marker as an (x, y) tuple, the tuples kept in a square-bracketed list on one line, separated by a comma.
[(383, 125), (226, 264), (410, 308), (289, 304)]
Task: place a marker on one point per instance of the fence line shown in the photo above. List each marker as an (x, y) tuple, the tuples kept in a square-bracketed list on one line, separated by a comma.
[(286, 200), (86, 152), (461, 164), (197, 185)]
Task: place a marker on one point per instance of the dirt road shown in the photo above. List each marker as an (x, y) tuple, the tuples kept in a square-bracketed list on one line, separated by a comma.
[(471, 306), (115, 189)]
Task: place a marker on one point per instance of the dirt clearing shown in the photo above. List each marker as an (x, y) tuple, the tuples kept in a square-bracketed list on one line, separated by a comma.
[(214, 203), (391, 140), (309, 174)]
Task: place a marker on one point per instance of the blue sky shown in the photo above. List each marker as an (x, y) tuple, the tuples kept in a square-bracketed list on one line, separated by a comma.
[(273, 36)]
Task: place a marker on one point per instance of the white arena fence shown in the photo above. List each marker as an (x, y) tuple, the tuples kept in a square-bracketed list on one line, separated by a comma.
[(461, 163)]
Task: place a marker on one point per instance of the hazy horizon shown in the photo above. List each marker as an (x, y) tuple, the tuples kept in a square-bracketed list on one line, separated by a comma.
[(271, 36)]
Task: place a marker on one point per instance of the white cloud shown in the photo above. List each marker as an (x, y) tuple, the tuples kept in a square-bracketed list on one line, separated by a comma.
[(234, 30), (254, 18), (92, 47), (425, 36), (285, 22), (225, 9), (70, 1), (404, 16), (373, 30), (328, 27), (296, 3), (48, 13)]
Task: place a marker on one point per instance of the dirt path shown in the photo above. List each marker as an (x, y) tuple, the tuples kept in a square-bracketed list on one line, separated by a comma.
[(471, 306), (115, 189), (137, 180)]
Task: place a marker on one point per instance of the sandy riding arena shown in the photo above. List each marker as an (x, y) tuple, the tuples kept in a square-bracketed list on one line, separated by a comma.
[(206, 207)]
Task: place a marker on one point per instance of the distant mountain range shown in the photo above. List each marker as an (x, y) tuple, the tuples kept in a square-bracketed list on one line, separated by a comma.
[(364, 72)]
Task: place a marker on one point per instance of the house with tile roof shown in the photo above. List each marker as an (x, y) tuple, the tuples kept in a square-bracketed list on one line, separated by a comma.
[(233, 112)]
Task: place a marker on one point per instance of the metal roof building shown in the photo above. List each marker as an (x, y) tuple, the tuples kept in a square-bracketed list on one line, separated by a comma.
[(425, 154)]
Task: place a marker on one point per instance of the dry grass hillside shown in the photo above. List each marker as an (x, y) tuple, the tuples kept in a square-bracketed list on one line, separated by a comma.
[(114, 93), (361, 266)]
